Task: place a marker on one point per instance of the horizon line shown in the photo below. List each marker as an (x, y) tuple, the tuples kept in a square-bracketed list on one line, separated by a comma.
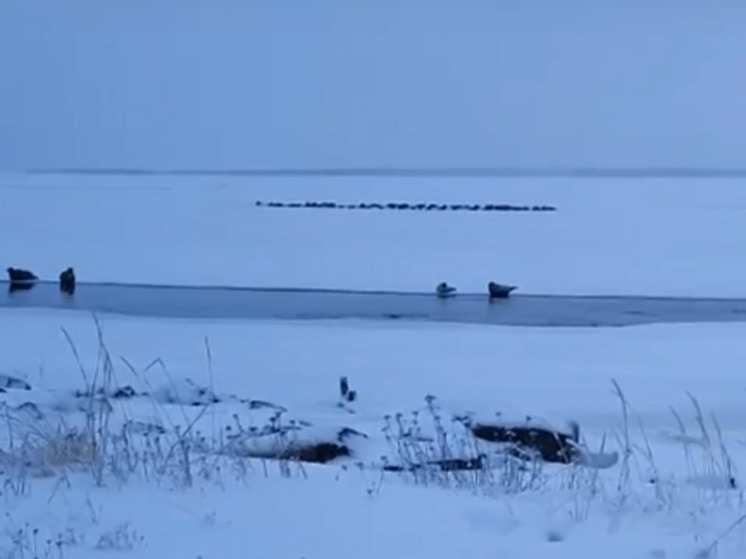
[(434, 172)]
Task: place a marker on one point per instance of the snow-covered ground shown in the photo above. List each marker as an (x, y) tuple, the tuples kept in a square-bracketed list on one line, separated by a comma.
[(160, 437), (609, 236), (670, 495)]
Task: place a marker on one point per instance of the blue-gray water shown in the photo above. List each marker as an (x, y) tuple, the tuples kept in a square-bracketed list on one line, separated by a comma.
[(260, 303)]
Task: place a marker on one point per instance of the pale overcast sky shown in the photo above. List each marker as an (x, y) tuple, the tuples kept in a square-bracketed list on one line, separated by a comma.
[(343, 83)]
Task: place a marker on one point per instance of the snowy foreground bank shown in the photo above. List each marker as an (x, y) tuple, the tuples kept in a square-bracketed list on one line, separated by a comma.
[(172, 481), (607, 237)]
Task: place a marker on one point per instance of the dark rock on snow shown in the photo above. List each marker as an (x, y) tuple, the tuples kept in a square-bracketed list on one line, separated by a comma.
[(551, 446), (449, 465), (319, 453)]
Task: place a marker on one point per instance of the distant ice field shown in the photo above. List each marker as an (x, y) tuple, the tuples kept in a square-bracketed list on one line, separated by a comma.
[(655, 237)]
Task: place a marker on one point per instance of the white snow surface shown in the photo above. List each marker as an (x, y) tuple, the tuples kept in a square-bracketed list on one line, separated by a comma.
[(182, 475), (680, 503), (609, 236)]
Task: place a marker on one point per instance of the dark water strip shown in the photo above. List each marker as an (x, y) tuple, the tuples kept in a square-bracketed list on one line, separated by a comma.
[(321, 304)]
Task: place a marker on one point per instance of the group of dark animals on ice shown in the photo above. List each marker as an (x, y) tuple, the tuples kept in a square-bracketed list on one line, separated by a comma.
[(20, 280), (494, 290)]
